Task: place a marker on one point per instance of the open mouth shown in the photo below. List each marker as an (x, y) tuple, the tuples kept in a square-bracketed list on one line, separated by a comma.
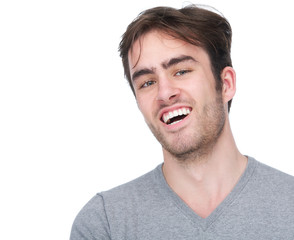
[(175, 116)]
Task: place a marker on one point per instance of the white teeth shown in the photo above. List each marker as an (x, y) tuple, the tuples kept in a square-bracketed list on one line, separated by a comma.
[(175, 122), (181, 111), (165, 118), (175, 113)]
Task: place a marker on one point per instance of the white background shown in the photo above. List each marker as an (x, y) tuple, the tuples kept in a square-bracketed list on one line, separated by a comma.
[(69, 124)]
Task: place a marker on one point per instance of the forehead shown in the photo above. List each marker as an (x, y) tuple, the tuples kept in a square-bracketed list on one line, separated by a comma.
[(156, 47)]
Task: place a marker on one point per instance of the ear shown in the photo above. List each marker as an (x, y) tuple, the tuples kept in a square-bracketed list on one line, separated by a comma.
[(229, 83)]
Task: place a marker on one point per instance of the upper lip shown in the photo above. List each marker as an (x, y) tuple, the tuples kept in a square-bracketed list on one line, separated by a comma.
[(167, 113)]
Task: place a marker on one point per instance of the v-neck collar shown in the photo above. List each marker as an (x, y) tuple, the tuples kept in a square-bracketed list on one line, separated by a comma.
[(205, 223)]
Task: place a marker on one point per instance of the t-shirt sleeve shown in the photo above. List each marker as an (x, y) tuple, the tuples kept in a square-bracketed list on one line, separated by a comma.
[(91, 223)]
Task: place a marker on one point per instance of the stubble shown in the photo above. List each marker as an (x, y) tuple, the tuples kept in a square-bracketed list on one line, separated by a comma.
[(200, 141)]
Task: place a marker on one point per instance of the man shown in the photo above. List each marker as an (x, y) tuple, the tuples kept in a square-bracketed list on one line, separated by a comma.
[(179, 67)]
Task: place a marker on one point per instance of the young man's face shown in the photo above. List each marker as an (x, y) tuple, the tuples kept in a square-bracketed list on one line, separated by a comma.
[(175, 91)]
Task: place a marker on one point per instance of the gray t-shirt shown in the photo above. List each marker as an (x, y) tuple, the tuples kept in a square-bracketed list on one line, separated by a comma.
[(261, 206)]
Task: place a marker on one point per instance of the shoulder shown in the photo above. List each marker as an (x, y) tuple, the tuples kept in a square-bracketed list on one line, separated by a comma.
[(91, 221), (133, 198), (272, 175), (274, 183), (117, 204), (135, 188)]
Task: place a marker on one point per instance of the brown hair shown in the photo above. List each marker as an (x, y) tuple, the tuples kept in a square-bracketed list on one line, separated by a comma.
[(191, 24)]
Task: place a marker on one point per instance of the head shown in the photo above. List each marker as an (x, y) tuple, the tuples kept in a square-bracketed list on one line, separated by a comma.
[(197, 26)]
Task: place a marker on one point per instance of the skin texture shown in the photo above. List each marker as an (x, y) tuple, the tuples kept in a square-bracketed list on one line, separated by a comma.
[(201, 161), (189, 83)]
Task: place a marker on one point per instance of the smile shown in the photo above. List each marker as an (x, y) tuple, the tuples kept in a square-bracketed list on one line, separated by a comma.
[(175, 116)]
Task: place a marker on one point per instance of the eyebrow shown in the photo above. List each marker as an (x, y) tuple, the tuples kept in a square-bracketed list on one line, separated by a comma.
[(141, 72), (176, 60), (165, 65)]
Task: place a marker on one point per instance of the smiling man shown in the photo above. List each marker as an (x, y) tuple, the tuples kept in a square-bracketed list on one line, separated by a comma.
[(179, 68)]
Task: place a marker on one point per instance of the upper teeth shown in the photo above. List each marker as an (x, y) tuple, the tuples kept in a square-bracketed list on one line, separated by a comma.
[(178, 112)]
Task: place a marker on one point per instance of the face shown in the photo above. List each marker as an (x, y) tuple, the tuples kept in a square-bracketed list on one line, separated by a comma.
[(176, 93)]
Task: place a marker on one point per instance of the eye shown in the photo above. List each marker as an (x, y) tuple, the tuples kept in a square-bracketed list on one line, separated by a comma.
[(182, 72), (147, 84)]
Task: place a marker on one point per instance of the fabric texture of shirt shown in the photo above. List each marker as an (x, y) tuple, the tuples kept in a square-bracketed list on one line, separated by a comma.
[(261, 206)]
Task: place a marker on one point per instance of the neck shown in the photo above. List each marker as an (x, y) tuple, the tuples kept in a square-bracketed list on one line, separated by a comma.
[(204, 182)]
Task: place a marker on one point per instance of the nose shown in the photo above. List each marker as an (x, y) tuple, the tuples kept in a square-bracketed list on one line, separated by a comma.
[(167, 91)]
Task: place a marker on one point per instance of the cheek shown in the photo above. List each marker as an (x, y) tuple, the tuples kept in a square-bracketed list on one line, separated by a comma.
[(144, 106), (202, 90), (148, 109)]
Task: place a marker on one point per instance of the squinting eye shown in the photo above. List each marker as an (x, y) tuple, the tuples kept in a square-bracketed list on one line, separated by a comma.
[(181, 72), (147, 84)]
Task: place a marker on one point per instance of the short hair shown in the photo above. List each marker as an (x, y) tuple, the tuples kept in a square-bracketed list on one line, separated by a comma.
[(195, 25)]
